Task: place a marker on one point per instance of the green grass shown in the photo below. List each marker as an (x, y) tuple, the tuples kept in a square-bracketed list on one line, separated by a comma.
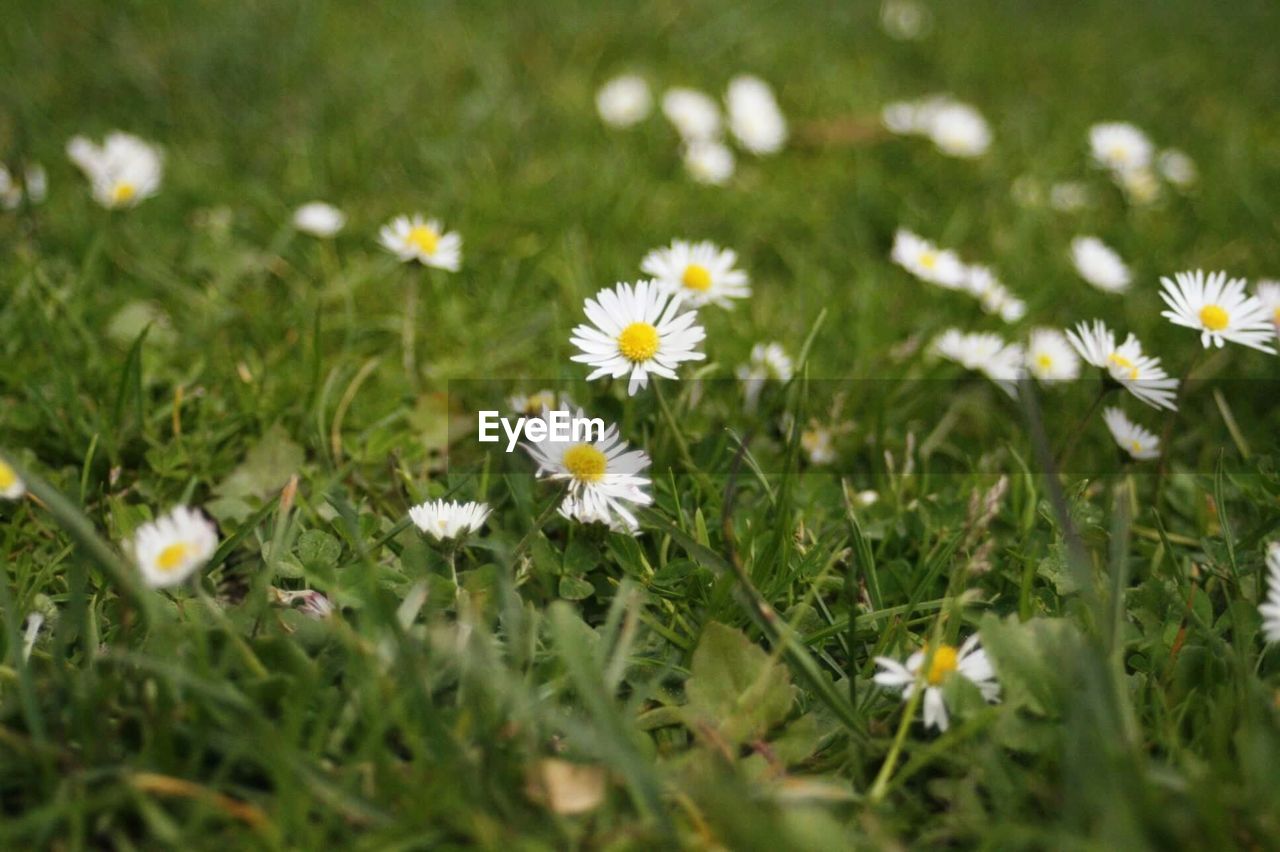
[(713, 674)]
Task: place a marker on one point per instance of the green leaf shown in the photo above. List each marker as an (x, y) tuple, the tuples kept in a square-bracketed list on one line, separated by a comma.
[(575, 588), (317, 550), (735, 686), (266, 468)]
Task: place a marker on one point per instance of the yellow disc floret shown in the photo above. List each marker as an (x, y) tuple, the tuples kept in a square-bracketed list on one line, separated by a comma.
[(696, 277), (173, 556), (1214, 318), (422, 238), (1124, 363), (585, 463), (7, 477), (123, 192), (638, 342), (928, 259), (942, 664)]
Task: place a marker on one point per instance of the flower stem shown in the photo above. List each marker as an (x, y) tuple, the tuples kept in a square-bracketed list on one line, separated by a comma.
[(1073, 439), (408, 334), (881, 785)]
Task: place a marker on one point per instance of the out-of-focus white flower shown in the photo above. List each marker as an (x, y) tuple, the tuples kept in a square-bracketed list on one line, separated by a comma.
[(867, 498), (319, 219), (173, 547), (1120, 147), (413, 238), (10, 191), (1069, 196), (956, 128), (1268, 293), (1270, 608), (709, 162), (1140, 185), (926, 261), (818, 442), (694, 114), (754, 117), (986, 353), (991, 293), (11, 486), (122, 172), (1138, 442), (37, 181), (905, 20), (700, 273), (1177, 168), (1099, 265), (624, 101), (768, 362), (1050, 357)]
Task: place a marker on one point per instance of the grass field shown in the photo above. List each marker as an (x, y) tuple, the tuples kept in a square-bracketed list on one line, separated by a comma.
[(708, 683)]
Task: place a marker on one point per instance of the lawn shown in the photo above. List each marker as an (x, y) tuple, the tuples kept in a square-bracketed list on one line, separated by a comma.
[(719, 674)]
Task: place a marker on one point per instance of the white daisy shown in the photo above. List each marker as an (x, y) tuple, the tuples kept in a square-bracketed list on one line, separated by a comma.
[(1268, 293), (694, 114), (413, 238), (994, 297), (1139, 185), (37, 181), (122, 172), (905, 20), (446, 519), (901, 117), (11, 486), (754, 117), (1139, 374), (1132, 438), (171, 548), (708, 161), (319, 219), (1099, 265), (926, 261), (1218, 308), (818, 442), (958, 129), (986, 353), (1050, 357), (968, 661), (637, 330), (1270, 609), (1177, 168), (10, 191), (605, 478), (699, 273), (624, 101), (769, 362), (1120, 147)]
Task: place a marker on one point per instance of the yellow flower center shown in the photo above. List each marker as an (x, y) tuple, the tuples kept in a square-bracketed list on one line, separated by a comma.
[(1214, 318), (1124, 364), (123, 192), (928, 259), (1044, 361), (696, 277), (1135, 446), (7, 477), (943, 663), (173, 556), (422, 238), (1119, 153), (638, 342), (1275, 316), (585, 463)]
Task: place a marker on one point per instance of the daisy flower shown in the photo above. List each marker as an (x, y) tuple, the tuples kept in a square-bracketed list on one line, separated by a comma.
[(1050, 357), (637, 330), (699, 273), (309, 602), (754, 117), (968, 661), (413, 238), (1120, 147), (708, 161), (1099, 265), (694, 114), (1270, 609), (605, 478), (10, 191), (446, 520), (1132, 438), (994, 297), (624, 101), (1177, 168), (1139, 185), (319, 219), (959, 130), (901, 117), (1125, 364), (122, 172), (1268, 293), (11, 486), (818, 442), (769, 362), (986, 353), (37, 181), (171, 548), (926, 261), (1218, 308)]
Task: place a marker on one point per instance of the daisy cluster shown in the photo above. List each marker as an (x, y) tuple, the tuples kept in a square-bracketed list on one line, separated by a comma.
[(753, 119)]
